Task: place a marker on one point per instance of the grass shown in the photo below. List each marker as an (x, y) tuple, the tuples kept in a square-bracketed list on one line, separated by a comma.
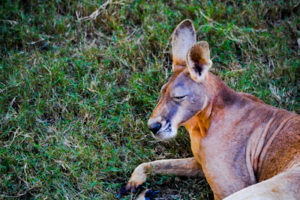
[(76, 92)]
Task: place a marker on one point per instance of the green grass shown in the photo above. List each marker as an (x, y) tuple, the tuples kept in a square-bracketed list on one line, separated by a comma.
[(75, 95)]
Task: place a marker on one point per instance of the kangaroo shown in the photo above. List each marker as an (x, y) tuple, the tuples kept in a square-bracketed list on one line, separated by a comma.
[(245, 148)]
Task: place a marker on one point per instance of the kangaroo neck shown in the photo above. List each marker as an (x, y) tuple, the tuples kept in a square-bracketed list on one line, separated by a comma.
[(219, 98)]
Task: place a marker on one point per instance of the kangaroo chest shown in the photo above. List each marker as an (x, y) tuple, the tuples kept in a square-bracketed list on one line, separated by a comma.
[(220, 161)]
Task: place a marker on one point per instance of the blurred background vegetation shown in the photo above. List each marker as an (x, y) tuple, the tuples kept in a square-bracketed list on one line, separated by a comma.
[(78, 80)]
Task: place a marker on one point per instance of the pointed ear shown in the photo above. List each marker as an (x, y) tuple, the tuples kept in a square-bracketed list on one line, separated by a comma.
[(198, 61), (183, 39)]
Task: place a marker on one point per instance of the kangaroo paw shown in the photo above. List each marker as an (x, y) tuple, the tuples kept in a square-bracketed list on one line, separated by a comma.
[(129, 188), (138, 177)]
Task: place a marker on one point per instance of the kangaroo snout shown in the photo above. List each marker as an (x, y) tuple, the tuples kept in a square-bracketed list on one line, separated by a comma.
[(154, 127)]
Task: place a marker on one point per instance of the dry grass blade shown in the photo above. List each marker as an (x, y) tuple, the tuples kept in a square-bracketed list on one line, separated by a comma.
[(96, 13)]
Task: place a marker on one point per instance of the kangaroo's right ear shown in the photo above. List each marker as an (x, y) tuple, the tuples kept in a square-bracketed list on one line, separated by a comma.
[(183, 39)]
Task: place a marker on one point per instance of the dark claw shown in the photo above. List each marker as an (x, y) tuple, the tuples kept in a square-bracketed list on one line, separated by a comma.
[(127, 189), (150, 194), (138, 187)]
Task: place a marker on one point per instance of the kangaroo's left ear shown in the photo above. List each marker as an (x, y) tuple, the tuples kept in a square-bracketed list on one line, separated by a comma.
[(183, 38), (198, 61)]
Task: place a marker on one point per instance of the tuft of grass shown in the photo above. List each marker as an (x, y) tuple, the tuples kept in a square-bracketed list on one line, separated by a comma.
[(76, 91)]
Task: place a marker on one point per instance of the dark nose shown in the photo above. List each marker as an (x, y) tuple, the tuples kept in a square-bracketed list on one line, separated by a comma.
[(154, 127)]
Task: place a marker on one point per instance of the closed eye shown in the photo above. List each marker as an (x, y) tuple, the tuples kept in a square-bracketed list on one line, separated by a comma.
[(179, 98)]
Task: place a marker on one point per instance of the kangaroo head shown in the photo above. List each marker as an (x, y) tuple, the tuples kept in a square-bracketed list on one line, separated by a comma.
[(186, 93)]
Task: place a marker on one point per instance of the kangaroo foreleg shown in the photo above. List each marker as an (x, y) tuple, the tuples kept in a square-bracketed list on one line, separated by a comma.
[(180, 167)]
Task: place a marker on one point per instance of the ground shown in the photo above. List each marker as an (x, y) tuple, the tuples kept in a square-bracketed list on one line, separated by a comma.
[(78, 81)]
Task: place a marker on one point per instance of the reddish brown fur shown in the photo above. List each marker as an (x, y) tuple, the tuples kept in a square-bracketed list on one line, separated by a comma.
[(178, 70)]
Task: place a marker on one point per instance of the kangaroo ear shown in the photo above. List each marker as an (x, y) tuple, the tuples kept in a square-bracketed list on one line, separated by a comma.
[(198, 61), (183, 39)]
